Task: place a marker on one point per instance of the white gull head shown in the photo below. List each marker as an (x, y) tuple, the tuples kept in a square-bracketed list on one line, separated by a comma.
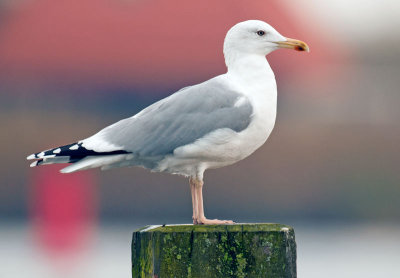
[(255, 37)]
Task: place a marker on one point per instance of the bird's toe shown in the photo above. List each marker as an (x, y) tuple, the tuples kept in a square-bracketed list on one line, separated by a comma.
[(205, 221)]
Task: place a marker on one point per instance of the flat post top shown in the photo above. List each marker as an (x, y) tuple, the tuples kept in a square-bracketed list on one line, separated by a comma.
[(238, 227)]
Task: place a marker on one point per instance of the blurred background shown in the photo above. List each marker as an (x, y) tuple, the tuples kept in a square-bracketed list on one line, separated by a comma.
[(330, 169)]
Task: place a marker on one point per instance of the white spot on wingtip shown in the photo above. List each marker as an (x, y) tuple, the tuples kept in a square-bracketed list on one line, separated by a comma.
[(57, 150), (74, 147), (33, 164), (29, 157), (40, 155)]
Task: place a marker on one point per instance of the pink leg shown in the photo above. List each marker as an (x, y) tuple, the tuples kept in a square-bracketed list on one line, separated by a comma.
[(198, 206), (194, 202)]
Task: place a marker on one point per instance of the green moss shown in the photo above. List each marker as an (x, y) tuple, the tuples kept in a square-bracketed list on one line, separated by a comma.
[(241, 250)]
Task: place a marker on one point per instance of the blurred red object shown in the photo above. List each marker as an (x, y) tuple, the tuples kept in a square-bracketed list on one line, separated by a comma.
[(63, 209), (159, 42)]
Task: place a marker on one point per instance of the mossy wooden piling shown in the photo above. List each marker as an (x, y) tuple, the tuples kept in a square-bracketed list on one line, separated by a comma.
[(214, 251)]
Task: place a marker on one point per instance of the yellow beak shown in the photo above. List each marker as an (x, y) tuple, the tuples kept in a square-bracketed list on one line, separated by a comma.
[(294, 44)]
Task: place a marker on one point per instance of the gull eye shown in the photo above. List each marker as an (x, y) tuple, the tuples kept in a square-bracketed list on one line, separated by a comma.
[(260, 33)]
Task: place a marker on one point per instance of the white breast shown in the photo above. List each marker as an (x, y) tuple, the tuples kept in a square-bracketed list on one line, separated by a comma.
[(260, 88)]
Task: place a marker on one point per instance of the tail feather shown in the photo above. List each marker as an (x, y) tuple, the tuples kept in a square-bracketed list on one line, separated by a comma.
[(93, 162), (75, 153)]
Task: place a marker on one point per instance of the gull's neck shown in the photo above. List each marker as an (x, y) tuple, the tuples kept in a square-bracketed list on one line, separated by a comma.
[(249, 68), (254, 78)]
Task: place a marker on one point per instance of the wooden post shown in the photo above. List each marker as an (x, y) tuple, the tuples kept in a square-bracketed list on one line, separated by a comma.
[(208, 251)]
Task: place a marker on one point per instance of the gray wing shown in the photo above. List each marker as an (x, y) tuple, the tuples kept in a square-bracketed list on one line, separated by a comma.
[(180, 119)]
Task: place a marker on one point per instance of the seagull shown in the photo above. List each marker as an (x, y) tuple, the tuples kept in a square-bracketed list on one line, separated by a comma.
[(205, 126)]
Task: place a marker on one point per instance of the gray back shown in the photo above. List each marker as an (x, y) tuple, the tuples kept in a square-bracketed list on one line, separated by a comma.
[(180, 119)]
